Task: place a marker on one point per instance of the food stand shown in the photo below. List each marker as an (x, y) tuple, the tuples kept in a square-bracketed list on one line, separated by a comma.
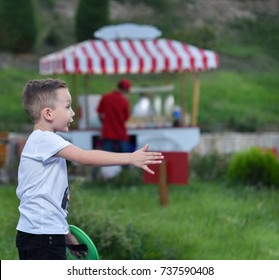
[(139, 56)]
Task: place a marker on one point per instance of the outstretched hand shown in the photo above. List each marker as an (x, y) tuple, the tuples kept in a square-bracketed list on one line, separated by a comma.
[(142, 158)]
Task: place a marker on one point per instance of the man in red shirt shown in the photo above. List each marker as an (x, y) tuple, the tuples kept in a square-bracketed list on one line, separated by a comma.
[(114, 112)]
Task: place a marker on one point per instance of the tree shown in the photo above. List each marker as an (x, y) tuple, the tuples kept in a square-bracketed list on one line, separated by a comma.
[(18, 30), (90, 16)]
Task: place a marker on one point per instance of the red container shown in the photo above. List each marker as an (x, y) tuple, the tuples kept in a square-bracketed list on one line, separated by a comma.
[(177, 169)]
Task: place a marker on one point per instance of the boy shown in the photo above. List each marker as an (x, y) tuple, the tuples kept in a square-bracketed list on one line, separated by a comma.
[(42, 175)]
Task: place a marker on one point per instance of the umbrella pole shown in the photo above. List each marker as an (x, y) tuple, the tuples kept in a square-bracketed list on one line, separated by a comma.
[(196, 97)]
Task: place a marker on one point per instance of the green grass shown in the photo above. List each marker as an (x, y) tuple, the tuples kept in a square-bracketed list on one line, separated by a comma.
[(202, 221), (8, 220), (229, 100), (242, 98)]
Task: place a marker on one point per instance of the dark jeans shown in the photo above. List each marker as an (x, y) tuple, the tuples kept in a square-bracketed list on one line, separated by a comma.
[(115, 146), (41, 246)]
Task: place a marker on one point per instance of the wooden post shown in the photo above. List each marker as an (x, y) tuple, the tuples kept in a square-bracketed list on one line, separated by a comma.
[(183, 93), (167, 78), (163, 184), (86, 83), (74, 92), (196, 97), (86, 93)]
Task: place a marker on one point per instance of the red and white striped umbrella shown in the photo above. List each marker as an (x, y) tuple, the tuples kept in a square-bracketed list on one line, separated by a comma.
[(128, 57)]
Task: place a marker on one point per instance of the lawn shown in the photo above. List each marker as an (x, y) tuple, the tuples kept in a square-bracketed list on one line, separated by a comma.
[(202, 221), (223, 98)]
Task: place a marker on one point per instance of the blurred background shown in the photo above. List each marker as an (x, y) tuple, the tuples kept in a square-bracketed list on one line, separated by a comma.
[(228, 209)]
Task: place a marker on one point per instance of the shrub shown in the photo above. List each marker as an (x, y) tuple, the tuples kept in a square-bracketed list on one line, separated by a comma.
[(118, 241), (127, 178), (254, 167), (18, 25), (245, 124), (90, 15), (113, 239), (209, 167)]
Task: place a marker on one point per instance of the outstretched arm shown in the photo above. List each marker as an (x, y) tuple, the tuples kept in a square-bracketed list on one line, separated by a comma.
[(140, 158)]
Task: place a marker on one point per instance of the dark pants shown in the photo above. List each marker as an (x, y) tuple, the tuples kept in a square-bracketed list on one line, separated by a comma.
[(41, 246), (115, 146)]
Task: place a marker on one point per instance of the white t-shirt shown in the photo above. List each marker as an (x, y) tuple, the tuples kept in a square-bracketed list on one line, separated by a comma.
[(43, 188)]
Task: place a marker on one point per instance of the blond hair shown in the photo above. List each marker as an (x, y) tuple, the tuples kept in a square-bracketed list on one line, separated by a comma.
[(39, 94)]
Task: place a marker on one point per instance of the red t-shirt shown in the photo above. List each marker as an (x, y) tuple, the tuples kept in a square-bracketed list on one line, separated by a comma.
[(114, 109)]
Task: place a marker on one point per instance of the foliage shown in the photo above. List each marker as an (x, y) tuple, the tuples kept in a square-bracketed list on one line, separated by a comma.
[(203, 221), (128, 177), (209, 167), (262, 31), (246, 124), (201, 36), (90, 16), (18, 25), (114, 240), (158, 5), (254, 167), (238, 101)]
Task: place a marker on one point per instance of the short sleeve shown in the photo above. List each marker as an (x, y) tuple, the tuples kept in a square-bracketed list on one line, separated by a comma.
[(51, 144), (43, 145)]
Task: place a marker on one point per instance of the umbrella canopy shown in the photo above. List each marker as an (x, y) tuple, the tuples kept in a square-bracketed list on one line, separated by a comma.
[(128, 31), (128, 57)]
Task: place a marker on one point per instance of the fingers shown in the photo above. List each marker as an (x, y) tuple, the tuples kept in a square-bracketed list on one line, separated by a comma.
[(154, 154), (147, 169), (145, 148), (79, 254), (149, 158), (155, 157), (153, 162)]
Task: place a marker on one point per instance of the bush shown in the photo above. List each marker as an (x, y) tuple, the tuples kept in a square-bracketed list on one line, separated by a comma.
[(90, 16), (254, 167), (127, 178), (18, 25), (118, 241), (244, 124), (113, 238), (209, 167)]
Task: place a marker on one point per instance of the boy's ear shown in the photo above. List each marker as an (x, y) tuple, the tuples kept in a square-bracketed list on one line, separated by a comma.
[(47, 114)]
